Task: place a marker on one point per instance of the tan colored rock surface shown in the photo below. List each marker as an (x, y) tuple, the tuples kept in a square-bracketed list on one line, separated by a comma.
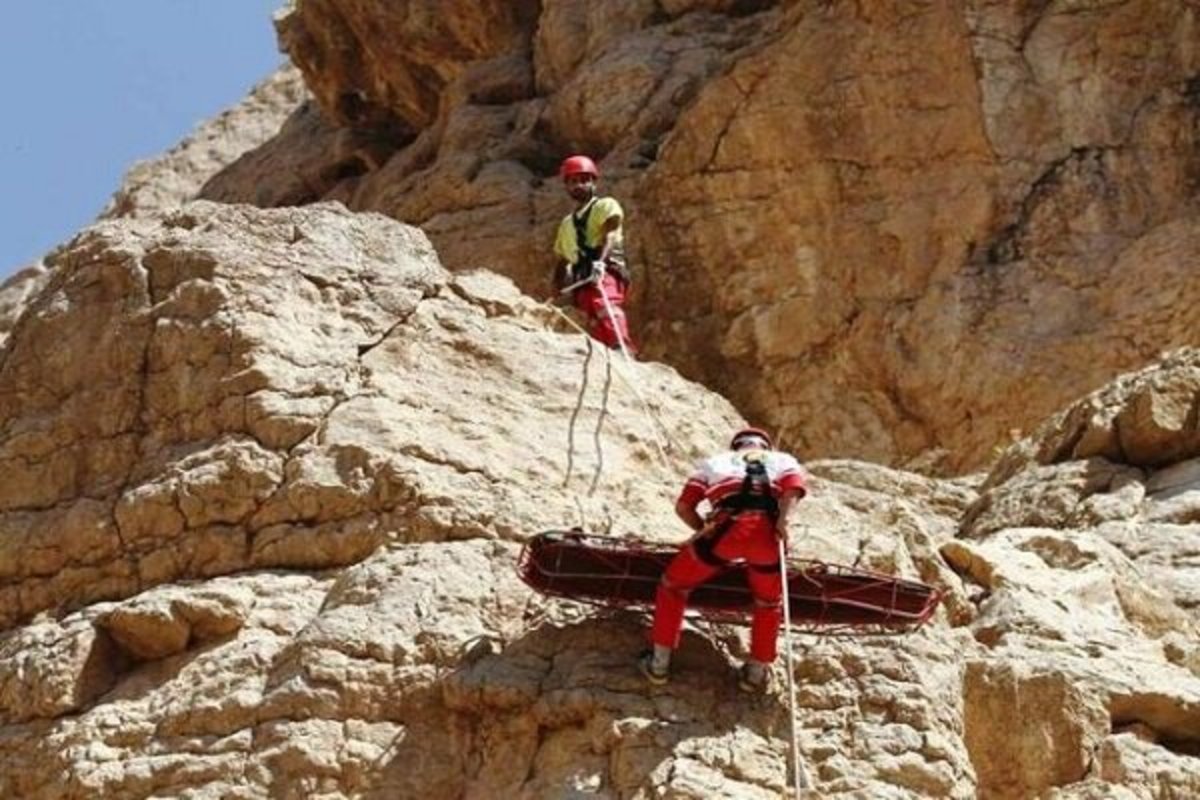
[(1122, 461), (157, 624), (1053, 745), (1069, 629), (1098, 480), (49, 670), (942, 222), (271, 470), (15, 293), (225, 381), (166, 182), (170, 180), (266, 474)]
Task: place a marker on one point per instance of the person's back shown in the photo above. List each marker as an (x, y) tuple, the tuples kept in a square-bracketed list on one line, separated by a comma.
[(750, 490), (723, 474)]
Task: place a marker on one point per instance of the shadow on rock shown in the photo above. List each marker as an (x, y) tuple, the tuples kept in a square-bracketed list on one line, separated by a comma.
[(562, 710)]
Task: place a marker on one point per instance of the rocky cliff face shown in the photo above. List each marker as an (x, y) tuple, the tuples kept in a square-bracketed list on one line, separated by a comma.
[(268, 474), (163, 183), (897, 232)]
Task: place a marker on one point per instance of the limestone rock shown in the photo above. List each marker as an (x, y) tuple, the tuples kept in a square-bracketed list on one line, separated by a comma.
[(1126, 759), (1044, 723), (242, 387), (1103, 572), (15, 293), (419, 50), (943, 222), (49, 670), (270, 473), (1173, 493), (300, 157), (1120, 461), (1061, 614), (161, 623), (1166, 553), (306, 390), (1145, 418), (170, 180)]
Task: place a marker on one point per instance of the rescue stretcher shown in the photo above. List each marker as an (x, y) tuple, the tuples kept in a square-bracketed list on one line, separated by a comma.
[(624, 573)]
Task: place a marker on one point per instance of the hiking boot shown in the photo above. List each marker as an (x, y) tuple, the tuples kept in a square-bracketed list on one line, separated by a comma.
[(655, 674), (754, 678)]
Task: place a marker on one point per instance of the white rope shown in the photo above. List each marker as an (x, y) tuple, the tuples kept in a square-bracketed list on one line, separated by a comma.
[(657, 428), (596, 441), (579, 400), (583, 384), (658, 443), (799, 773)]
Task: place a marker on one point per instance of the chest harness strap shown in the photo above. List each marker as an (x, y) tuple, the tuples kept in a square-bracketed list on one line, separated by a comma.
[(581, 270), (753, 495)]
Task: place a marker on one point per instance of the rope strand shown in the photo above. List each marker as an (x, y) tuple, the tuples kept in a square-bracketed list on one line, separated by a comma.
[(655, 424), (799, 773), (587, 362), (659, 430), (599, 424)]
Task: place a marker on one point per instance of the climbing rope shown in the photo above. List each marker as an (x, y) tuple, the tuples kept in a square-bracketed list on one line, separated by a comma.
[(583, 384), (662, 449), (603, 411), (662, 437), (799, 773), (597, 442), (599, 424)]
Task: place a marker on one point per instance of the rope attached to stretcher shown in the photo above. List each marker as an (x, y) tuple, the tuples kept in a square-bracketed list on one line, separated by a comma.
[(596, 439), (599, 424), (583, 384), (662, 437)]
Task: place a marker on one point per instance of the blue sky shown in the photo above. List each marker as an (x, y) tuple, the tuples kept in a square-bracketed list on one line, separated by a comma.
[(87, 87)]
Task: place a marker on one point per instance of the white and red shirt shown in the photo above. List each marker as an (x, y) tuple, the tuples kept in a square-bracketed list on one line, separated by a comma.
[(721, 475)]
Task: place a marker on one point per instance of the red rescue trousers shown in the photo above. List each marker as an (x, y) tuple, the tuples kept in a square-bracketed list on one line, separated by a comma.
[(751, 538), (612, 329)]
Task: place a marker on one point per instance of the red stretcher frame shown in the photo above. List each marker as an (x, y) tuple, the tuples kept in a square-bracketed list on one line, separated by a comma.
[(624, 573)]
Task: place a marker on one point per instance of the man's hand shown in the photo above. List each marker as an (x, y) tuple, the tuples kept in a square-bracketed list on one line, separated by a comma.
[(786, 504)]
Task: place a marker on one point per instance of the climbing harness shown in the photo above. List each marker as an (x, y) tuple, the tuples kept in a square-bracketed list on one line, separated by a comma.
[(583, 270), (586, 255), (753, 495), (755, 491)]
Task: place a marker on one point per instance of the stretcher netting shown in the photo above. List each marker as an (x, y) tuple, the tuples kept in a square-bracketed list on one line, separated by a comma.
[(624, 573)]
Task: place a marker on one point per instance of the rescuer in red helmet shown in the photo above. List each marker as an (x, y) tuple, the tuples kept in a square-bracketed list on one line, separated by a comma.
[(750, 489), (591, 243)]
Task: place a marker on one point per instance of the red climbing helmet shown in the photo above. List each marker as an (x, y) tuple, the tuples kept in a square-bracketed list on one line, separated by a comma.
[(748, 436), (578, 165)]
